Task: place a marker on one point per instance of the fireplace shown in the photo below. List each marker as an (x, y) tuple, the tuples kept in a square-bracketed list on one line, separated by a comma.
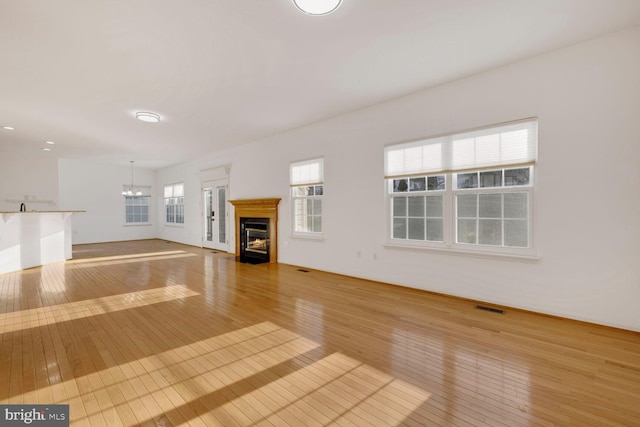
[(256, 230), (254, 244)]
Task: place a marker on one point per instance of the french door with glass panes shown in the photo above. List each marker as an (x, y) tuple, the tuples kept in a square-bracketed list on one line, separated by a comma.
[(215, 215)]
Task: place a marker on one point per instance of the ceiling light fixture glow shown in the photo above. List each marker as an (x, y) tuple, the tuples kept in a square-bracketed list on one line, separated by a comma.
[(317, 7), (49, 142), (145, 116), (7, 128), (46, 149)]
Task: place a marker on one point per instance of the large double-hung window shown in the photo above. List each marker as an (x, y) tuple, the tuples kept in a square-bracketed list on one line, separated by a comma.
[(466, 191), (307, 190)]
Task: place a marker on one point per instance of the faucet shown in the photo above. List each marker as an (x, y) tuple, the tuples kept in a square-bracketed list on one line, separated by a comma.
[(23, 207)]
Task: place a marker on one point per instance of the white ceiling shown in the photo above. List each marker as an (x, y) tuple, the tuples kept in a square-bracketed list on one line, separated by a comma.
[(228, 72)]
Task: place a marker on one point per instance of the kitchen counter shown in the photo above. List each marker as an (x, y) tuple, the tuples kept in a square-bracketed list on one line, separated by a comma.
[(33, 238), (32, 212)]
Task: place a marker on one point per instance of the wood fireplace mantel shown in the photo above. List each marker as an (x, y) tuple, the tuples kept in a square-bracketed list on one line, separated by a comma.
[(258, 208)]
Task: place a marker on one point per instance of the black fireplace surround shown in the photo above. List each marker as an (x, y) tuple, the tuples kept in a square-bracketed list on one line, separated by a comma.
[(254, 243)]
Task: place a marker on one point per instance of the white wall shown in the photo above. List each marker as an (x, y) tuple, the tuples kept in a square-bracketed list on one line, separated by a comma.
[(587, 100), (96, 188), (33, 178), (190, 232)]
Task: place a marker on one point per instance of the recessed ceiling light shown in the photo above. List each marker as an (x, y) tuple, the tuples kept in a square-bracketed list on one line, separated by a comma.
[(49, 142), (315, 7), (46, 149), (147, 117), (7, 128)]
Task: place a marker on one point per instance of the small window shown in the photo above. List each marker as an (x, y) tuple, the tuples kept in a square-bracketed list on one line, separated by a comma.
[(136, 206), (136, 209), (174, 203), (307, 191), (418, 215)]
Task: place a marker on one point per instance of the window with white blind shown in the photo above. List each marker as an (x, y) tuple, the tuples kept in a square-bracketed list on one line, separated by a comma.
[(469, 191), (307, 188), (174, 203), (137, 208)]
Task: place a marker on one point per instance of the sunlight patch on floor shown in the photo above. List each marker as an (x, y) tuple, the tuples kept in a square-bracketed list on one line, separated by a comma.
[(125, 259), (121, 257), (334, 390), (42, 316), (233, 379)]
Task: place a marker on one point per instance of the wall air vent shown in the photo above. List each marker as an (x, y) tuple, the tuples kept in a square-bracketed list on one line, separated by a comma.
[(491, 309)]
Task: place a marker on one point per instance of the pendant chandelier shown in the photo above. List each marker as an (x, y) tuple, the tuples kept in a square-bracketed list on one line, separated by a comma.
[(130, 192)]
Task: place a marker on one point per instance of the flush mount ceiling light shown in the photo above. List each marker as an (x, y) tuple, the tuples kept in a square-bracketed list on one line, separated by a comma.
[(317, 7), (145, 116), (49, 142), (7, 128), (130, 192)]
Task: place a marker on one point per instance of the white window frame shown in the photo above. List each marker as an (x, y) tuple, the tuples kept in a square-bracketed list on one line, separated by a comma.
[(174, 196), (433, 156), (127, 199), (306, 180), (389, 210), (499, 190), (145, 193)]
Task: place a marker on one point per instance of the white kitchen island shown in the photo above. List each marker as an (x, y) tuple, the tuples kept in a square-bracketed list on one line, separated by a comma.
[(30, 239)]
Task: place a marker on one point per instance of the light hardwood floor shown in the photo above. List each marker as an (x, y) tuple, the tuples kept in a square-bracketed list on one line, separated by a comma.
[(158, 333)]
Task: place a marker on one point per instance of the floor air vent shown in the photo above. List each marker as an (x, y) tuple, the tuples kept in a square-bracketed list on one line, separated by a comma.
[(491, 309), (302, 270)]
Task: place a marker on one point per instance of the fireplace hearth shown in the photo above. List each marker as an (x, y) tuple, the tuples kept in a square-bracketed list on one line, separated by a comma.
[(256, 230), (254, 247)]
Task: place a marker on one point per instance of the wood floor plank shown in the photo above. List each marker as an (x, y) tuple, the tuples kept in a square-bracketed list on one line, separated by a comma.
[(157, 333)]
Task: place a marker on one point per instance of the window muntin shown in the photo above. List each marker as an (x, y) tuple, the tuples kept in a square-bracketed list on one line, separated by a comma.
[(488, 216), (307, 190), (493, 178), (470, 191), (418, 183), (308, 209), (136, 209), (417, 215), (174, 203), (489, 209)]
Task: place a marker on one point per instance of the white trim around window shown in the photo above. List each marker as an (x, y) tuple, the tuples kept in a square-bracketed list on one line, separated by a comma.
[(484, 206), (307, 190), (174, 204), (137, 208)]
